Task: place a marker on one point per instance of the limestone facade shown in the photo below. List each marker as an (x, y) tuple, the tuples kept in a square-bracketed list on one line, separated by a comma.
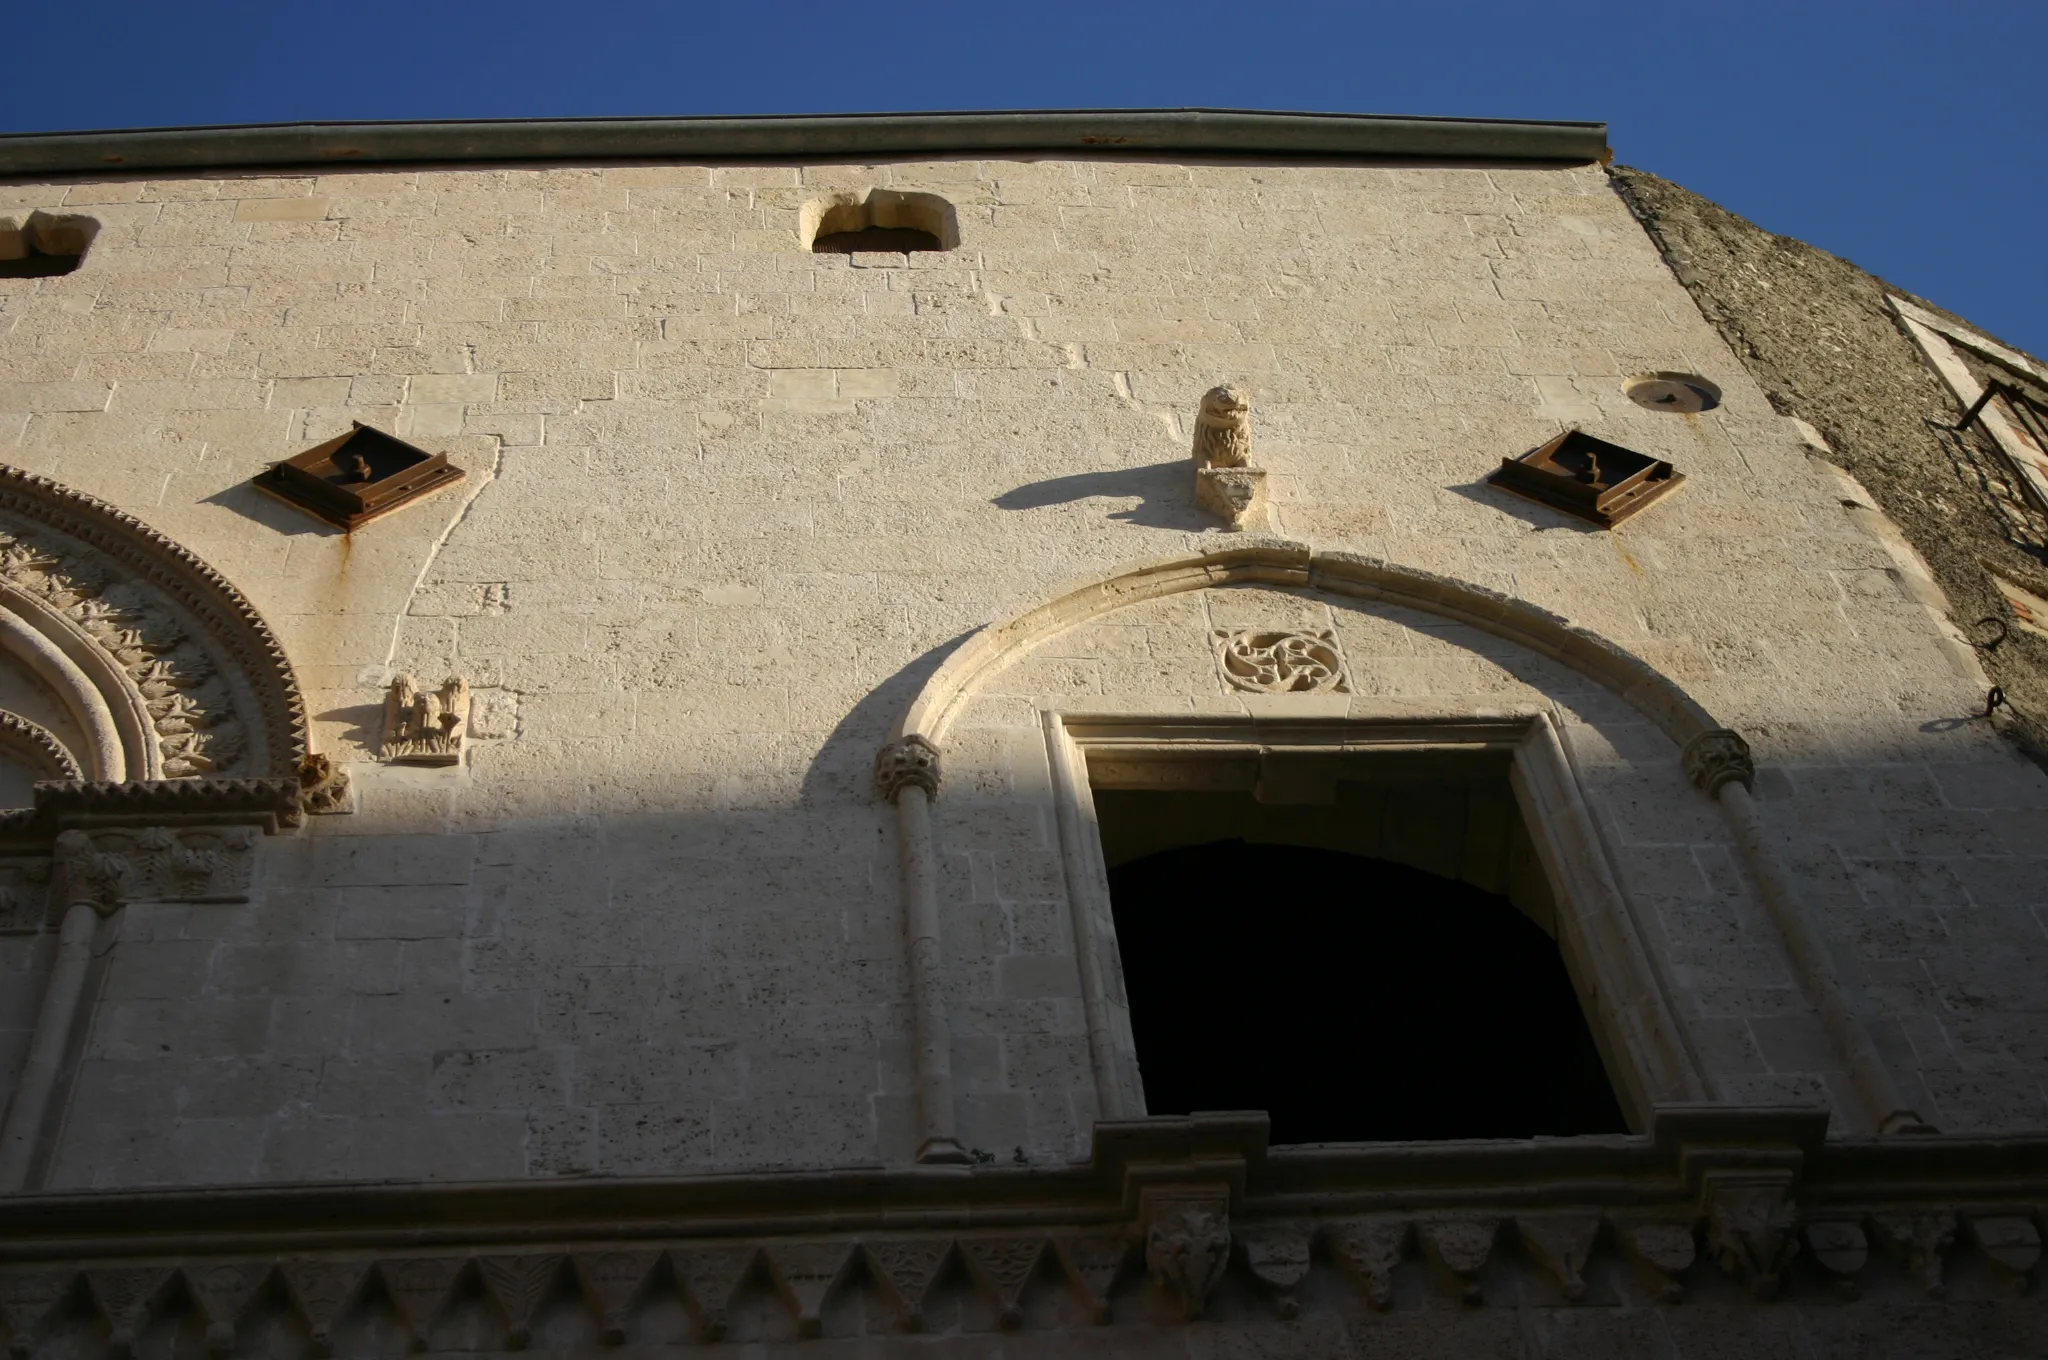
[(736, 517)]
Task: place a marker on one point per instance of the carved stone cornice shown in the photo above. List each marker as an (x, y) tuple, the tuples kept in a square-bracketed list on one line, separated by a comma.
[(229, 622), (904, 763), (1178, 1193), (1717, 757), (202, 815)]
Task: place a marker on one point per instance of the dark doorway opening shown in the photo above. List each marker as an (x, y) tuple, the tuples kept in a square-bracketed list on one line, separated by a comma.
[(1353, 999)]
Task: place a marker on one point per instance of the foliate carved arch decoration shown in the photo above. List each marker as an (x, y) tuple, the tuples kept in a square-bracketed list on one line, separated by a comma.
[(36, 747), (166, 669)]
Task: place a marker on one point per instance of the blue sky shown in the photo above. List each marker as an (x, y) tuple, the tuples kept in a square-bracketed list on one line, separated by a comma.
[(1906, 136)]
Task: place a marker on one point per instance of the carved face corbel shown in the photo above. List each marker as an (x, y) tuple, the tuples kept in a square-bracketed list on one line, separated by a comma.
[(1187, 1242), (1750, 1226)]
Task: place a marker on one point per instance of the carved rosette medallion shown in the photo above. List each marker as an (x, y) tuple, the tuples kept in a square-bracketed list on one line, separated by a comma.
[(1717, 757), (1273, 662), (906, 762)]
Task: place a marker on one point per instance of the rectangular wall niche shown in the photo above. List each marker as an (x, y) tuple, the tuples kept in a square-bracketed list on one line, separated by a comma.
[(1353, 927)]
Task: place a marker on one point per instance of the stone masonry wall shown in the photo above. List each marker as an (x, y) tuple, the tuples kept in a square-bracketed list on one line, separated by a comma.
[(1817, 333), (729, 503)]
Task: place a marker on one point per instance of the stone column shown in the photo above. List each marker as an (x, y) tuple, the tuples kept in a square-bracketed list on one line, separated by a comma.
[(99, 872), (1718, 762), (31, 1103), (907, 775)]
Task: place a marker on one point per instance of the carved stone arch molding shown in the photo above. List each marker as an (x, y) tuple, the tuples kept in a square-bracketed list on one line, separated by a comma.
[(166, 671), (1294, 566), (186, 741), (1621, 983)]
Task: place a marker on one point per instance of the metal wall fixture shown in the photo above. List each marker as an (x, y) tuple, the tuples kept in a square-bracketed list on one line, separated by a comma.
[(353, 479), (1673, 393), (1590, 478), (2027, 419)]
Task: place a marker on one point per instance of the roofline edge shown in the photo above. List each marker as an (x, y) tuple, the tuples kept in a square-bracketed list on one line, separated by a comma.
[(1211, 131)]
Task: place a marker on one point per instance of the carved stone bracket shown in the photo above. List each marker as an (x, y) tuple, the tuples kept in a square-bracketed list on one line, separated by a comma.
[(323, 786), (1841, 1249), (1661, 1251), (1095, 1262), (1226, 484), (1750, 1221), (1718, 757), (1919, 1242), (1562, 1243), (1369, 1249), (113, 867), (911, 761), (1187, 1241), (2009, 1240), (1460, 1248), (1277, 1255), (1004, 1265)]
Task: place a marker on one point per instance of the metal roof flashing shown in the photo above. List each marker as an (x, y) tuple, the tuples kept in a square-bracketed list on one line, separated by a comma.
[(1145, 132)]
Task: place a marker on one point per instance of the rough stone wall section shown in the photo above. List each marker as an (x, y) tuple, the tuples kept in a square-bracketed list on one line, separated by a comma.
[(1817, 334)]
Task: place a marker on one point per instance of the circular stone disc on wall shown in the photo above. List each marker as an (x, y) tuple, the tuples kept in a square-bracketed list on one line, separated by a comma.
[(1683, 393)]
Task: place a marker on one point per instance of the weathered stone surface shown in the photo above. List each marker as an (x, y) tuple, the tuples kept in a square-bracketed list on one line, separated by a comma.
[(729, 504)]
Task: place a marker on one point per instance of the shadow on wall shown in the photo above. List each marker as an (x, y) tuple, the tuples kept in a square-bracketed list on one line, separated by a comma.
[(1165, 493), (366, 724), (251, 504), (844, 767), (1530, 513)]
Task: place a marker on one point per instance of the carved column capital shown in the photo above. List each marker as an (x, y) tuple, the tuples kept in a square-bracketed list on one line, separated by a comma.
[(111, 868), (1717, 757), (907, 761), (1187, 1241), (323, 785)]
